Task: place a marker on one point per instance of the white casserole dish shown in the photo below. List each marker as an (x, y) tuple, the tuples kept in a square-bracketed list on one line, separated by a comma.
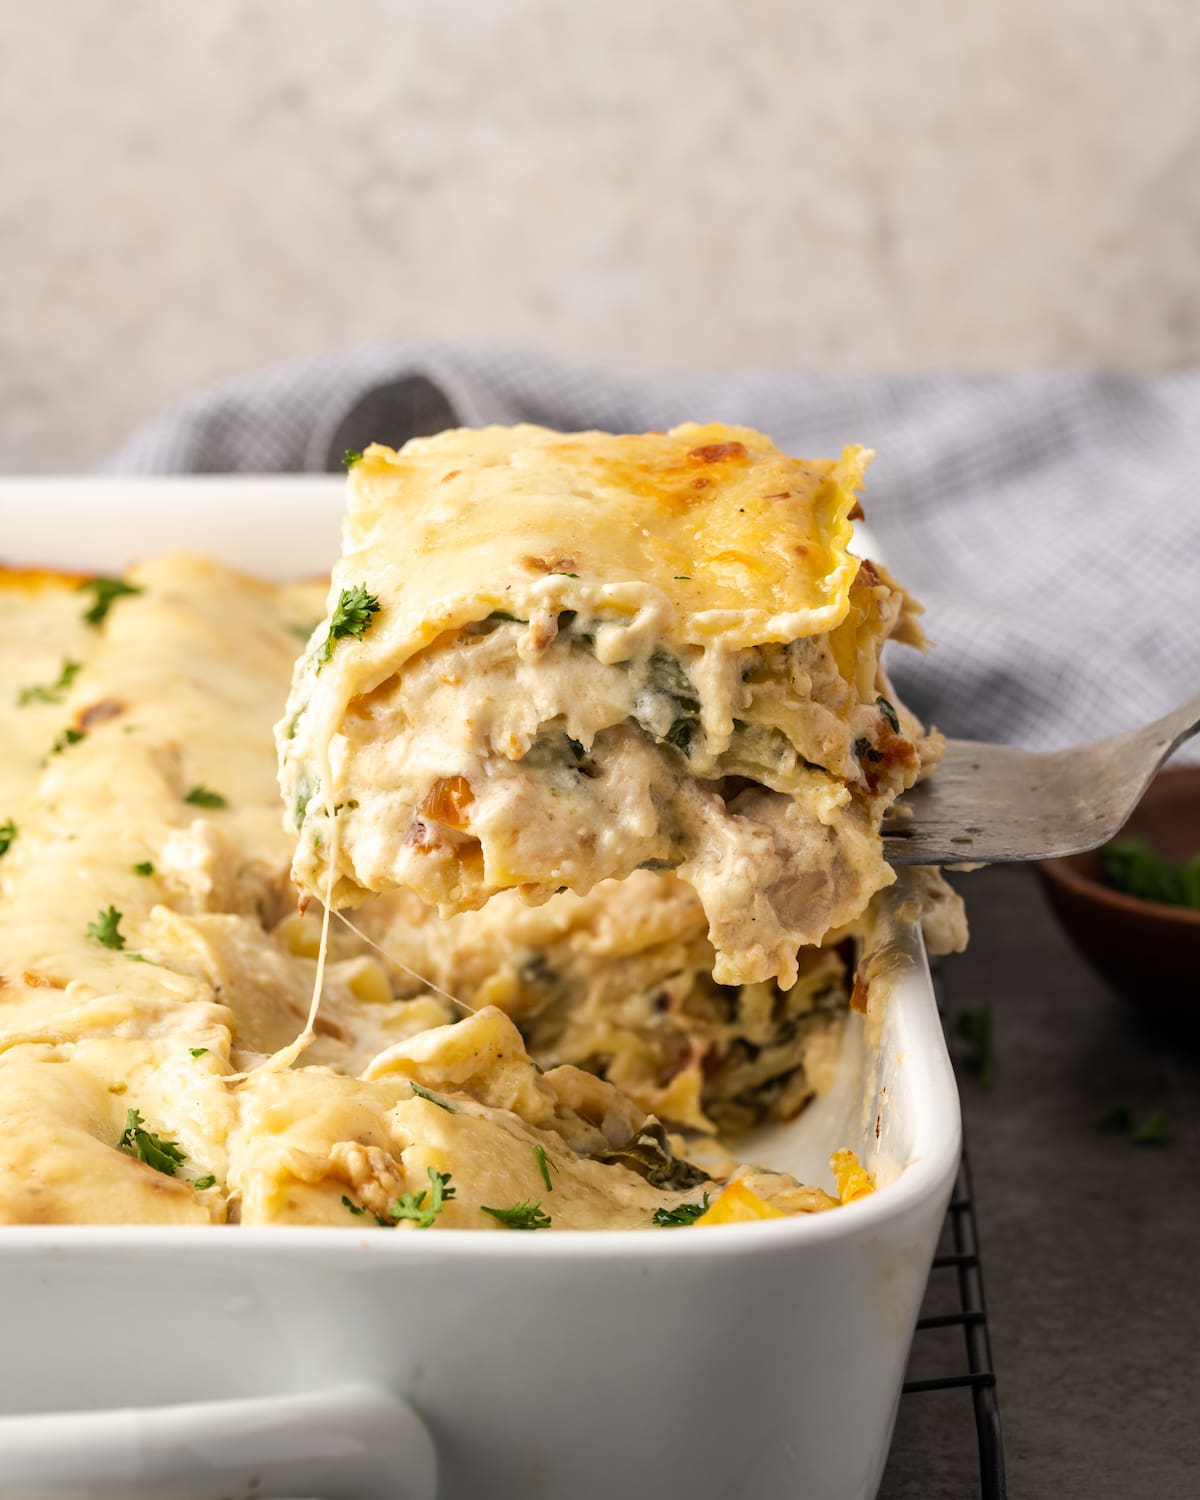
[(751, 1362)]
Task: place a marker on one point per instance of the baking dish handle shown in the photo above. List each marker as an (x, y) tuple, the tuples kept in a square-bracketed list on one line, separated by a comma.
[(352, 1443)]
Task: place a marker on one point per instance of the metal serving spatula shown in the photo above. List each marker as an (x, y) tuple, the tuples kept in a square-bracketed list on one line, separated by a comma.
[(993, 804)]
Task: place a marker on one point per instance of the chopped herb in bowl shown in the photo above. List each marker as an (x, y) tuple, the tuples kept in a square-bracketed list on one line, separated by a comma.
[(1130, 866)]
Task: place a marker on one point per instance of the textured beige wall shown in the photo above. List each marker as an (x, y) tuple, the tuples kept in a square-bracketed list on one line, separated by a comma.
[(190, 190)]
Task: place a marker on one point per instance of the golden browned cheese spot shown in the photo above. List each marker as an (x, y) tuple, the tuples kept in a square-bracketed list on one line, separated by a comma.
[(43, 981), (99, 713), (718, 453), (550, 564), (447, 801), (667, 481)]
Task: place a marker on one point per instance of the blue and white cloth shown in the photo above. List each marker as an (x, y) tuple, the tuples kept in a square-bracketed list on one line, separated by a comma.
[(1050, 523)]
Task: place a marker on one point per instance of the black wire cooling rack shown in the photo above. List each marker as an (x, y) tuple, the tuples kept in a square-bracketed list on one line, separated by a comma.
[(958, 1260)]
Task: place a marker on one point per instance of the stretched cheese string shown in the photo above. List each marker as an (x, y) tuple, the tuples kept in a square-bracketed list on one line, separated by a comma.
[(401, 965), (279, 1061)]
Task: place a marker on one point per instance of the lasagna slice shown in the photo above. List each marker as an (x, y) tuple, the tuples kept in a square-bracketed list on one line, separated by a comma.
[(549, 660)]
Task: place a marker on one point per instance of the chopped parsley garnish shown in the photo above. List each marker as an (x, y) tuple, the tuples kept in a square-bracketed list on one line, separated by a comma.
[(432, 1098), (683, 578), (105, 929), (575, 747), (974, 1029), (200, 796), (679, 1218), (558, 573), (888, 712), (351, 616), (107, 592), (54, 692), (1155, 1129), (413, 1206), (204, 1182), (197, 1051), (69, 736), (355, 1208), (1131, 867), (524, 1215), (351, 457), (544, 1163), (163, 1155), (503, 614), (143, 867), (8, 832)]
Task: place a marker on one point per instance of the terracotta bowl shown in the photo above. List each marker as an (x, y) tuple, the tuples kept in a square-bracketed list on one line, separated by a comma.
[(1148, 952)]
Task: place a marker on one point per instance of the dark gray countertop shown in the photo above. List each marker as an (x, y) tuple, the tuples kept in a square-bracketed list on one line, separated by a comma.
[(1090, 1245)]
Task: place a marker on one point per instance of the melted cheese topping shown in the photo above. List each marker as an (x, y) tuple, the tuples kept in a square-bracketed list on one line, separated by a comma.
[(713, 528)]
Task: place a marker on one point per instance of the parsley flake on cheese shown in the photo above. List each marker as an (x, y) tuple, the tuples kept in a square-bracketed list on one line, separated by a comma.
[(163, 1155), (106, 928), (544, 1165), (432, 1098), (52, 692), (525, 1215), (201, 796), (413, 1206), (107, 592), (351, 616), (678, 1218)]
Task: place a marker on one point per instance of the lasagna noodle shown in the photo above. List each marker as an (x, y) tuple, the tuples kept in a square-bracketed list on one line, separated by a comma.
[(574, 656)]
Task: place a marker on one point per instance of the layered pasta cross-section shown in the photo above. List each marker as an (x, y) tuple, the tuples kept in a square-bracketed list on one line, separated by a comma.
[(551, 660)]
